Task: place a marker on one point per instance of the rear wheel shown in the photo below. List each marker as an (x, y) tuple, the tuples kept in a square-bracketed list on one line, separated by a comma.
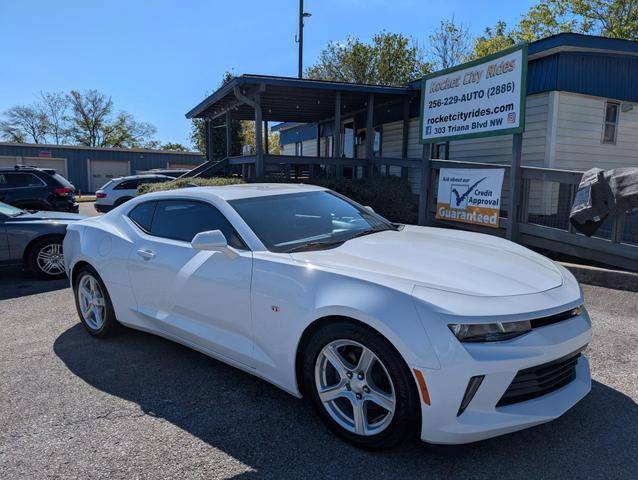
[(93, 302), (360, 386), (46, 258)]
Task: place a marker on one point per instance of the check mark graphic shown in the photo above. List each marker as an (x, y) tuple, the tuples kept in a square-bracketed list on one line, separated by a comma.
[(459, 198)]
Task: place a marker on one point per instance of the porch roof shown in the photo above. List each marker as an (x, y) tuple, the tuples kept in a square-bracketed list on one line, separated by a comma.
[(287, 99)]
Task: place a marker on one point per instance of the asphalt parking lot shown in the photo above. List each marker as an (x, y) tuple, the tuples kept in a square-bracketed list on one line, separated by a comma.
[(87, 209), (137, 406)]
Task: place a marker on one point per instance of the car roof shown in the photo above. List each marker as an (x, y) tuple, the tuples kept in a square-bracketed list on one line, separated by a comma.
[(142, 175), (26, 169), (239, 191)]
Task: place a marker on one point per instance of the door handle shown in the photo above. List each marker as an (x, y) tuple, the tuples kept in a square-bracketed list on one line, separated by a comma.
[(146, 254)]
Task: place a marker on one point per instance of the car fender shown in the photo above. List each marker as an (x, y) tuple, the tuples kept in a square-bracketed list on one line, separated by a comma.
[(287, 298), (21, 236)]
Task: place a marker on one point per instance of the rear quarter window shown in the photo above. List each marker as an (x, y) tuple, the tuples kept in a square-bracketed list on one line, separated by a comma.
[(61, 180), (128, 185), (142, 215)]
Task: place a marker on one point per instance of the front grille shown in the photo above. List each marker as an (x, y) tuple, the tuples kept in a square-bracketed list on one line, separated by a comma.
[(540, 380), (559, 317)]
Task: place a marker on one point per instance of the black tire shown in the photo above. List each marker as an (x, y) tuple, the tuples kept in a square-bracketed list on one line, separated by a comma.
[(120, 201), (405, 422), (53, 246), (110, 323)]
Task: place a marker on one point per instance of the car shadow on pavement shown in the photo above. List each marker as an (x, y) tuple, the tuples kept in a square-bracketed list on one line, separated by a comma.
[(278, 436), (15, 283)]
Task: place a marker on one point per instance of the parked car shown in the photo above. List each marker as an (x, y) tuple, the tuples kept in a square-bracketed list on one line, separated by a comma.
[(34, 239), (41, 189), (119, 190), (390, 330)]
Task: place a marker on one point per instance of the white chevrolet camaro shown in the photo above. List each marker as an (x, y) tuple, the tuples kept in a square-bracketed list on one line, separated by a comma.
[(389, 330)]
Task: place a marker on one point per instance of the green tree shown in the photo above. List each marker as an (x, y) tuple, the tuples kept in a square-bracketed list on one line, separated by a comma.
[(198, 134), (198, 131), (24, 123), (89, 117), (390, 59), (450, 44), (53, 106), (493, 40), (91, 123), (175, 147), (609, 18), (126, 132)]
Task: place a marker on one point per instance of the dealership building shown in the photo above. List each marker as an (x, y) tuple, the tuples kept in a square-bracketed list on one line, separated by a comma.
[(581, 112), (88, 168)]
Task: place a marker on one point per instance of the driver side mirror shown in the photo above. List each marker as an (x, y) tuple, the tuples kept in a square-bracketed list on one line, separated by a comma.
[(213, 241)]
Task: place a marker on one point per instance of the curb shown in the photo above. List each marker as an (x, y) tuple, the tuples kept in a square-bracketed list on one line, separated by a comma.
[(602, 277)]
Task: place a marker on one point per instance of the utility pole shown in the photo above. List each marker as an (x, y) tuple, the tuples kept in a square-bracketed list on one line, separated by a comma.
[(299, 38)]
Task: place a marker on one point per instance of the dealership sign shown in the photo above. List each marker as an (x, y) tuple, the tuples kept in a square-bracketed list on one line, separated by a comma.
[(471, 195), (480, 98)]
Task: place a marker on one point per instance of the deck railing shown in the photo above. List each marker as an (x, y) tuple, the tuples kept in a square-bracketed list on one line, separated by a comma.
[(544, 203)]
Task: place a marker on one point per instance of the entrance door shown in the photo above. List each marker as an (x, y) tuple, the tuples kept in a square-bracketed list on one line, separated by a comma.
[(348, 146)]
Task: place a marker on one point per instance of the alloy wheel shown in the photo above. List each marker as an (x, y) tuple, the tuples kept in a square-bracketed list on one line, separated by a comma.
[(355, 387), (92, 303), (50, 259)]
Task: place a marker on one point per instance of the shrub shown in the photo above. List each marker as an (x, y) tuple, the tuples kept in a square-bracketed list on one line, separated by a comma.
[(389, 196), (185, 183)]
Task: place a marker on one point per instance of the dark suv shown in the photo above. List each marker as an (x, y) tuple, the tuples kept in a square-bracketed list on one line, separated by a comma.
[(33, 188)]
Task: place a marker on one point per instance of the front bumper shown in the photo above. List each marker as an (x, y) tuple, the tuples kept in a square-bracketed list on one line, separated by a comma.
[(499, 362)]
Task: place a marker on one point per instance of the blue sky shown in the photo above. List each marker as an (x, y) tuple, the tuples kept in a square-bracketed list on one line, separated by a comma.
[(157, 58)]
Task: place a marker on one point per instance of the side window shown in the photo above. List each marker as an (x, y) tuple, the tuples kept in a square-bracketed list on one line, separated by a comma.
[(142, 215), (183, 219), (128, 185), (156, 180), (610, 125), (19, 180)]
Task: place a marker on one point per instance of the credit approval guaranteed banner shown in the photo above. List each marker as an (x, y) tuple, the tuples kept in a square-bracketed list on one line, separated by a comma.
[(481, 98), (470, 195)]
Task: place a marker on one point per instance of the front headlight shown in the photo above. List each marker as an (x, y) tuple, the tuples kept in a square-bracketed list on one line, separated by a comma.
[(489, 332)]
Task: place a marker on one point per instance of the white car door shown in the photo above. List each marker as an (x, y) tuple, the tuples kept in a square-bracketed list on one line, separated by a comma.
[(201, 297)]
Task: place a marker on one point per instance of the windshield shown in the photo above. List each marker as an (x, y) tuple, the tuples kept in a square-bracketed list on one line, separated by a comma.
[(10, 211), (309, 220)]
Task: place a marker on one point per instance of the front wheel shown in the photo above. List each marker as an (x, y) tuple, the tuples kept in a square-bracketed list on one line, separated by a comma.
[(360, 386)]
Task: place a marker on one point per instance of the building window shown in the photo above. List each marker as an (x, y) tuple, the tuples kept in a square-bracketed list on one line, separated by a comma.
[(376, 142), (329, 146), (298, 149), (439, 151), (610, 126)]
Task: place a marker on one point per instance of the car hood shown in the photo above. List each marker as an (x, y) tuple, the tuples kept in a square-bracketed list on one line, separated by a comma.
[(57, 217), (450, 260)]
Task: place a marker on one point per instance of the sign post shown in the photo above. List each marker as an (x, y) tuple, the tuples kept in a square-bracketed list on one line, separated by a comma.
[(482, 98), (426, 155), (515, 188)]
